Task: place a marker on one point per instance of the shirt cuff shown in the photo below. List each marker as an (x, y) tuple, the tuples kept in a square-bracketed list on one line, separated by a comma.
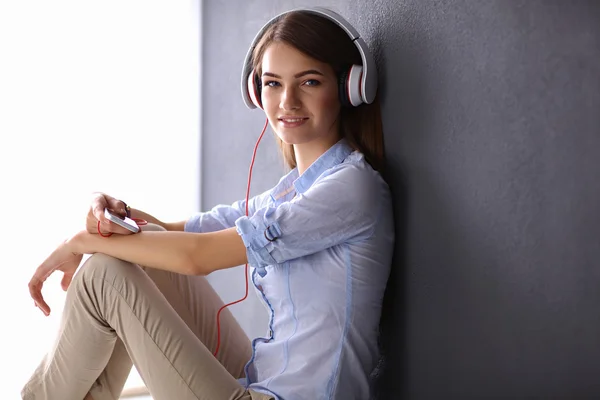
[(258, 239)]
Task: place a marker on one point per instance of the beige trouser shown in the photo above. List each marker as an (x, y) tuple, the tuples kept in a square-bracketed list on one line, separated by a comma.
[(116, 312)]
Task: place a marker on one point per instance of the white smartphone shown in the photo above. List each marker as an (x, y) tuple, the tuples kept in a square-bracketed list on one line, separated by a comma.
[(125, 222)]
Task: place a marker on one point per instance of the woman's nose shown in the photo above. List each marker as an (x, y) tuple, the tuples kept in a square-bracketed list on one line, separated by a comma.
[(289, 100)]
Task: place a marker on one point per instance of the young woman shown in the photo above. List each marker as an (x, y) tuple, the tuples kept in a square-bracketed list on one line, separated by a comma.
[(319, 247)]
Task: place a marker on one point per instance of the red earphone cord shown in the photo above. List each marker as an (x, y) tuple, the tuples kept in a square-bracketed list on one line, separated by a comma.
[(141, 222), (246, 266)]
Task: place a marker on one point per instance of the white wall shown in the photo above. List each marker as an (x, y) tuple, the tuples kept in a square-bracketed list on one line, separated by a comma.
[(78, 81)]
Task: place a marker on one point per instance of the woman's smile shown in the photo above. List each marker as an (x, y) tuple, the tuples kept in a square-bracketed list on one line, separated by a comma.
[(292, 122)]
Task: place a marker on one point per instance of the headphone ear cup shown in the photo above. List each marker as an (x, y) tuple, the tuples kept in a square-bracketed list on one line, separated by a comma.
[(258, 85), (350, 85), (254, 89), (343, 88)]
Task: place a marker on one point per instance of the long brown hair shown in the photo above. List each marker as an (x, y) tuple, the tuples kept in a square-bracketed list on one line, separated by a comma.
[(325, 41)]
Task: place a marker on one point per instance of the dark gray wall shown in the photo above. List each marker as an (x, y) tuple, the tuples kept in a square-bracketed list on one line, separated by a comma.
[(491, 116)]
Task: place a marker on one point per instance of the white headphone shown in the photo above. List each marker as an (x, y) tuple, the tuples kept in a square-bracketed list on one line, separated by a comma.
[(357, 85)]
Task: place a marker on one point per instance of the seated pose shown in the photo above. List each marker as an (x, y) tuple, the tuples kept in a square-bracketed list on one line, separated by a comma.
[(318, 245)]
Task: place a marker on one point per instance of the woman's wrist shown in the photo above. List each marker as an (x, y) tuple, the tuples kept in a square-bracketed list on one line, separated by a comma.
[(77, 244)]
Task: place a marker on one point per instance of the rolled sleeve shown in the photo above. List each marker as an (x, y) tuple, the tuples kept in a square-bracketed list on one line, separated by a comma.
[(258, 238), (223, 216), (340, 207), (219, 217)]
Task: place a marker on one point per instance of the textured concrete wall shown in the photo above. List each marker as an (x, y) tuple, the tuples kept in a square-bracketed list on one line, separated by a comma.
[(491, 117)]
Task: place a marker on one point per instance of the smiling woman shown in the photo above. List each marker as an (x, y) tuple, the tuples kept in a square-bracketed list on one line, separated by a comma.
[(80, 84), (318, 244)]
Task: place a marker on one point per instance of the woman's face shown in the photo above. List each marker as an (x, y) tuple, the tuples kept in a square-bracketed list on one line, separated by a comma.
[(299, 96)]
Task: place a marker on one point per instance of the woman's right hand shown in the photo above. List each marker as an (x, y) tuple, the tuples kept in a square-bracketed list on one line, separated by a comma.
[(100, 201)]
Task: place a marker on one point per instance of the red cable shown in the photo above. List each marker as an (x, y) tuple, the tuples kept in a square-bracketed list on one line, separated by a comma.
[(141, 222), (246, 266)]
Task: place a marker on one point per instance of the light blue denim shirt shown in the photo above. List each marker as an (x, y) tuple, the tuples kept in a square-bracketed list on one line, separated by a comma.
[(319, 248)]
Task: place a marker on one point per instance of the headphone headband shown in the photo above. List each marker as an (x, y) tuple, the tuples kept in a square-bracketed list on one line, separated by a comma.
[(368, 81)]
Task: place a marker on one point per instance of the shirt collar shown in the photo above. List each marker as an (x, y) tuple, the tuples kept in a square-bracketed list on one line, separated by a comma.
[(332, 157)]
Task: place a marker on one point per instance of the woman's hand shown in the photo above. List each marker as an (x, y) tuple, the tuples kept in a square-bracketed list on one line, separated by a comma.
[(100, 201), (62, 259)]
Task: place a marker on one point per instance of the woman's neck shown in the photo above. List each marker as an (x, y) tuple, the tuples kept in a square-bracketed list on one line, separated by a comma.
[(308, 153)]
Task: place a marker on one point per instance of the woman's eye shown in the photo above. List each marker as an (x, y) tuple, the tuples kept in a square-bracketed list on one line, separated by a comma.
[(271, 83), (312, 82)]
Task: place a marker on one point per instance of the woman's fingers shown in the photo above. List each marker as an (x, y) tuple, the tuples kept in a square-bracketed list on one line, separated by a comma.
[(116, 206), (62, 258), (100, 202), (66, 281), (35, 287), (70, 271), (35, 291), (107, 226)]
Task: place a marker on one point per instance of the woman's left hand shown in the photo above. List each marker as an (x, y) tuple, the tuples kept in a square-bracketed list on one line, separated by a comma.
[(62, 259)]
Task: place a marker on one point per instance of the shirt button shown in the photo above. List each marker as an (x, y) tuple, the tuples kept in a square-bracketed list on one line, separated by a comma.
[(259, 287)]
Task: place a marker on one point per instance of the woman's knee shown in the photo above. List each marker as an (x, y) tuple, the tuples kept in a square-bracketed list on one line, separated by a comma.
[(100, 267)]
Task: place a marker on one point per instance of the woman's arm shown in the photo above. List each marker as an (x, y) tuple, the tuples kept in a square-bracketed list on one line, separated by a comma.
[(100, 201), (170, 226), (181, 252)]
